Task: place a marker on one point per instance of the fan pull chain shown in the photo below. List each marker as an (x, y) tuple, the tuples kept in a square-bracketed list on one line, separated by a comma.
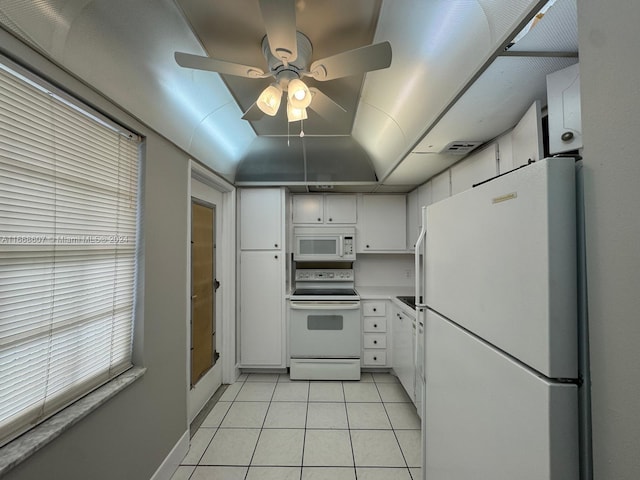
[(301, 128)]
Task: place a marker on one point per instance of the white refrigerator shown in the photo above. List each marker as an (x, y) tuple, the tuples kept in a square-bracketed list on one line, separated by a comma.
[(501, 336)]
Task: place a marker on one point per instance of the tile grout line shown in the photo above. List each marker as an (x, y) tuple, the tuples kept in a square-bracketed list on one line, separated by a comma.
[(346, 412), (214, 434), (304, 437), (261, 428), (393, 429)]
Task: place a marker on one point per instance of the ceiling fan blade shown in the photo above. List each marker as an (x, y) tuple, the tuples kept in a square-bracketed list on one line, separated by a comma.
[(279, 17), (352, 62), (324, 106), (199, 62), (253, 114)]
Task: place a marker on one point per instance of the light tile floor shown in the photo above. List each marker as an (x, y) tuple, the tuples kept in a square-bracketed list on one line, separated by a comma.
[(266, 427)]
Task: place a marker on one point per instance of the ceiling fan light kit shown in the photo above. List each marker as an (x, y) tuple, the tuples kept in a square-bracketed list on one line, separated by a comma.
[(288, 53), (298, 94), (294, 114), (269, 100)]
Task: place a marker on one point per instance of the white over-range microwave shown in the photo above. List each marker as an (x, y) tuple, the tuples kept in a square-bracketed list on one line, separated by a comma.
[(325, 244)]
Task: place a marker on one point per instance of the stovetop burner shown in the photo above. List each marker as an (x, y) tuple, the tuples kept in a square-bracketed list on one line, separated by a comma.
[(324, 291)]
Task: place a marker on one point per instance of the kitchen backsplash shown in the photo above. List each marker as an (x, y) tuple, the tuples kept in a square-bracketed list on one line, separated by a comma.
[(380, 270)]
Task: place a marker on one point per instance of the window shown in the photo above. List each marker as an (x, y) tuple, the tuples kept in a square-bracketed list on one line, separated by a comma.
[(68, 220)]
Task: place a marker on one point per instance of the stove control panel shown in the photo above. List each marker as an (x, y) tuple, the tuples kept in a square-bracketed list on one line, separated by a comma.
[(322, 275)]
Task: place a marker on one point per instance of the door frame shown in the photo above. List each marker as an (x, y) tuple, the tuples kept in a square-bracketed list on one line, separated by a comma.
[(225, 273)]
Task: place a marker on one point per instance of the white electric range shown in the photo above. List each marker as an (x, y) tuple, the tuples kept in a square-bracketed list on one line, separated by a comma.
[(324, 326)]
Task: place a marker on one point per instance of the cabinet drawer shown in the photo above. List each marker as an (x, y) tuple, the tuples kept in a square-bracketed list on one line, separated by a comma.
[(375, 324), (375, 357), (375, 340), (374, 309)]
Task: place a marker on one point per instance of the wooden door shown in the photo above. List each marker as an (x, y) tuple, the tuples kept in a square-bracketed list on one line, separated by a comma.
[(203, 308)]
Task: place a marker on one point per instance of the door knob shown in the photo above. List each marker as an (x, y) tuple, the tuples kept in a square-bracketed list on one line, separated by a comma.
[(567, 136)]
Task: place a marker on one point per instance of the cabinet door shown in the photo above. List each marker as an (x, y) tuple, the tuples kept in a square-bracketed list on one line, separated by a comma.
[(308, 209), (261, 219), (565, 121), (413, 227), (261, 311), (476, 168), (403, 351), (382, 223), (441, 186), (526, 137), (340, 209)]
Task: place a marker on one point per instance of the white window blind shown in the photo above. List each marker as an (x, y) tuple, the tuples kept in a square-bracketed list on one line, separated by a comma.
[(68, 217)]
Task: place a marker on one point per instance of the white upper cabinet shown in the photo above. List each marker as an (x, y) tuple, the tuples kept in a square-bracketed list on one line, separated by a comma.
[(340, 209), (413, 223), (476, 168), (261, 218), (441, 186), (382, 225), (308, 208), (563, 99), (526, 137), (324, 209)]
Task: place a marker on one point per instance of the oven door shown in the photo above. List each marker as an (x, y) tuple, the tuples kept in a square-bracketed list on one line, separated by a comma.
[(324, 329)]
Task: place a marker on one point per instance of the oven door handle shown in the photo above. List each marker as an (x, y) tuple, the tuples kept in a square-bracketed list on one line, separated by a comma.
[(325, 306)]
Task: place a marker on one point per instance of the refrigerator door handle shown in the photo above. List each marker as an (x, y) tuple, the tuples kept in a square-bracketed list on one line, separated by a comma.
[(420, 303)]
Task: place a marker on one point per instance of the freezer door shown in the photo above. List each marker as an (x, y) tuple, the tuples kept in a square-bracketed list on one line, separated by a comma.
[(501, 262), (488, 417)]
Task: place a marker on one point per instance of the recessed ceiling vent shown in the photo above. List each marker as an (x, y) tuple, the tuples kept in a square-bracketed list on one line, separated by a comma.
[(320, 188), (460, 147)]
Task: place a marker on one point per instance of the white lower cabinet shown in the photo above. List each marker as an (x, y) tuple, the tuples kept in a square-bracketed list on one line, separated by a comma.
[(403, 334), (261, 309), (374, 334)]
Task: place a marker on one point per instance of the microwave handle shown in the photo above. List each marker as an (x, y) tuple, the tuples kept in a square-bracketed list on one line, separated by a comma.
[(341, 247)]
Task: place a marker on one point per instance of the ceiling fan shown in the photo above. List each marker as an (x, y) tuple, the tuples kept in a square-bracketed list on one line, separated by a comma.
[(288, 53)]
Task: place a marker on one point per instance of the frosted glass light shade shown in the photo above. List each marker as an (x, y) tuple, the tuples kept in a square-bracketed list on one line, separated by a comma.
[(294, 114), (298, 95), (269, 100)]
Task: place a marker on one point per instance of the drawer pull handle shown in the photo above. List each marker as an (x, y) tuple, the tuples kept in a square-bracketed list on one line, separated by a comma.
[(375, 342), (375, 309), (375, 325), (375, 358)]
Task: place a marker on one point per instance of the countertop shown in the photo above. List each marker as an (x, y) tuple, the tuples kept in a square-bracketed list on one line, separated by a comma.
[(388, 293), (384, 293)]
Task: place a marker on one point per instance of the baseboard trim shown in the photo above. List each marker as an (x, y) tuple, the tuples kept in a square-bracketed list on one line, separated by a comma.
[(171, 463)]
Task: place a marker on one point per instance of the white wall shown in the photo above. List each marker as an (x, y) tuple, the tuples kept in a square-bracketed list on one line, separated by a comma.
[(130, 435), (610, 89), (384, 270)]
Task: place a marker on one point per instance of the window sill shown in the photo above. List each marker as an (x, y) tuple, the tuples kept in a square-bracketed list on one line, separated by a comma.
[(30, 442)]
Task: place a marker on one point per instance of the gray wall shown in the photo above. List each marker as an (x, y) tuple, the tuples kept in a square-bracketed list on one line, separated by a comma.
[(610, 89), (128, 437)]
